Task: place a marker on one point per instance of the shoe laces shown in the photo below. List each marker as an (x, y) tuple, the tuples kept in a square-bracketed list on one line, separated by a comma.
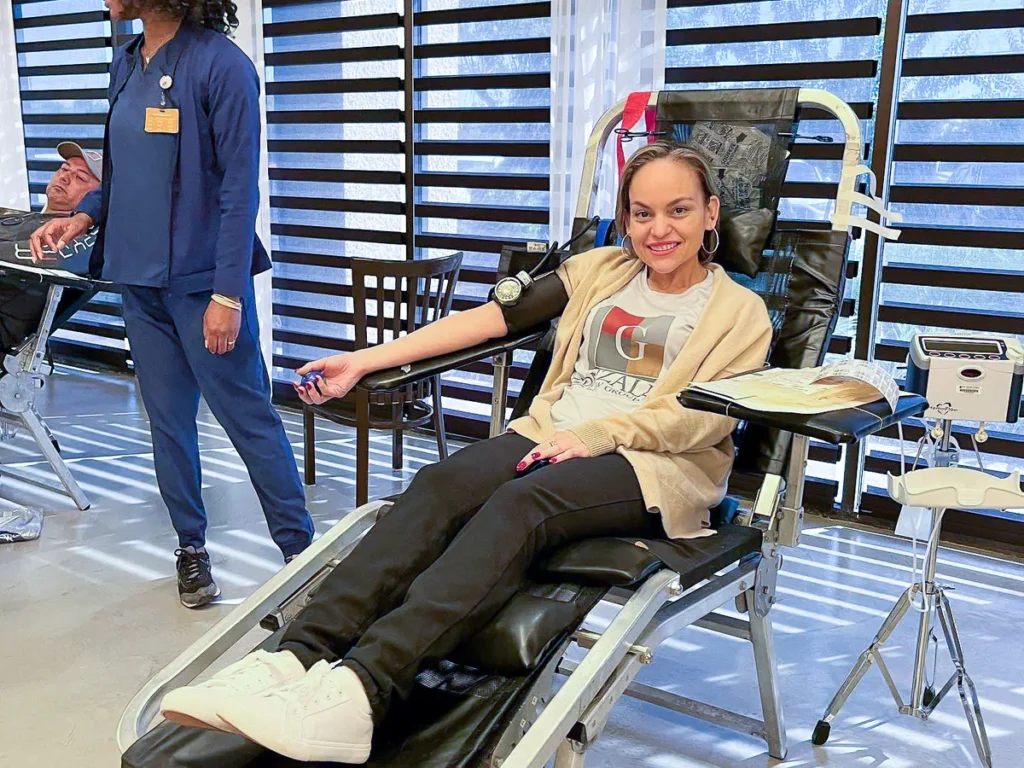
[(309, 689), (192, 566), (258, 659)]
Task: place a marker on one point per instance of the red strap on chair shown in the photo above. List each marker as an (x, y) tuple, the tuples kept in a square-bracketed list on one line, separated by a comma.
[(636, 107)]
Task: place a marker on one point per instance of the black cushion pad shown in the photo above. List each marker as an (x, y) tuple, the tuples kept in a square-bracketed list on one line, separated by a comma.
[(621, 562), (846, 426)]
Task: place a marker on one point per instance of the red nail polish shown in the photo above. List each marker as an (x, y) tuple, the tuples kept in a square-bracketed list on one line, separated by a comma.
[(553, 461), (535, 456), (520, 466)]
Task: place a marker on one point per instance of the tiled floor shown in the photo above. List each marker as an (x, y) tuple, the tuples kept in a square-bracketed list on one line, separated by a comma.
[(89, 612)]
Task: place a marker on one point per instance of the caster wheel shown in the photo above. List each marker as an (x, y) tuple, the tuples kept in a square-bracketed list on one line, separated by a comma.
[(928, 697), (820, 735)]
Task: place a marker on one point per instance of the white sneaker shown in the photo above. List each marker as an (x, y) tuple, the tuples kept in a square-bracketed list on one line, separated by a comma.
[(325, 717), (197, 704)]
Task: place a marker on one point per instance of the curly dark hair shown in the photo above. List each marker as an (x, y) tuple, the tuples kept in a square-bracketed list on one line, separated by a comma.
[(218, 15)]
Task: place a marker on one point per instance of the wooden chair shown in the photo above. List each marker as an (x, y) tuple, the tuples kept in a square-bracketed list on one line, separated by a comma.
[(390, 298)]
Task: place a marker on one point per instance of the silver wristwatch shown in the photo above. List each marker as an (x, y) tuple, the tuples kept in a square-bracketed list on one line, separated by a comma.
[(509, 290)]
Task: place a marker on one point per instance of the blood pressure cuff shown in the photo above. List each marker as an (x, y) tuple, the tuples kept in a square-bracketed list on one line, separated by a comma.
[(542, 302)]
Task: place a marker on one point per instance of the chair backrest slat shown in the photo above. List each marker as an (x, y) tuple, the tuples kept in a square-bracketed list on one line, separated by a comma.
[(398, 286)]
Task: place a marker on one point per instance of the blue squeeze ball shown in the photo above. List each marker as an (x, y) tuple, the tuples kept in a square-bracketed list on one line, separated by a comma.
[(312, 379)]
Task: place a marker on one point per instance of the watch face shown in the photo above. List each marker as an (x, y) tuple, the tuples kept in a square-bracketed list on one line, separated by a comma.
[(507, 289)]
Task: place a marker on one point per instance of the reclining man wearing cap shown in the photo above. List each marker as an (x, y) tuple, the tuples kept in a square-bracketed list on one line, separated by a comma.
[(22, 302)]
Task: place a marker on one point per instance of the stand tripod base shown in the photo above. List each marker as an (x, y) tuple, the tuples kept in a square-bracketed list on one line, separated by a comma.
[(924, 700)]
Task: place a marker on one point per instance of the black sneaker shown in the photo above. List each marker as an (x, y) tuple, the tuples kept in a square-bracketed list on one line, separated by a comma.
[(196, 586)]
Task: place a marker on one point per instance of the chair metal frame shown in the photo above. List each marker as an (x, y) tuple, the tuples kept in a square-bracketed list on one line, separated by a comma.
[(574, 717), (24, 375)]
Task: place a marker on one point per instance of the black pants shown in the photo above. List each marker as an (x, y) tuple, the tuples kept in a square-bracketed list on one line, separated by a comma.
[(451, 552), (21, 308)]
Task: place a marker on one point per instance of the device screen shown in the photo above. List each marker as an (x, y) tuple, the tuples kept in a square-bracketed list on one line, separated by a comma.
[(964, 346)]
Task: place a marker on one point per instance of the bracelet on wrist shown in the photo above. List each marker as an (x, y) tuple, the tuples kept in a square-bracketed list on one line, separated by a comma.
[(227, 301)]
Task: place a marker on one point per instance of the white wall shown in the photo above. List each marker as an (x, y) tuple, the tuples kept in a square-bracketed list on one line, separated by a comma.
[(13, 175), (249, 37)]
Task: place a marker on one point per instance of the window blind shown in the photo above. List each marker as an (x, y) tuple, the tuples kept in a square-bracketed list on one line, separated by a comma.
[(482, 126), (340, 156)]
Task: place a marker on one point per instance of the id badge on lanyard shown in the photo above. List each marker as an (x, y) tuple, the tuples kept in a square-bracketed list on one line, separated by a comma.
[(162, 119)]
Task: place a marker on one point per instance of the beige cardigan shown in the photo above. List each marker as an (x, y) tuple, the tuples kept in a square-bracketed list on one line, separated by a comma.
[(682, 458)]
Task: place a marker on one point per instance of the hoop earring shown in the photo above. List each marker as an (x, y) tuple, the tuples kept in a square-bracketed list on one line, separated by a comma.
[(718, 241), (627, 246)]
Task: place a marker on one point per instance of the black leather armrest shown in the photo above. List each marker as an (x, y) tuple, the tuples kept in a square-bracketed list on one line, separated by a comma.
[(395, 378), (847, 426)]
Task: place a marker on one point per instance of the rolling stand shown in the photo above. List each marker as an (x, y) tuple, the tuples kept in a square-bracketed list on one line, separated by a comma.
[(954, 487)]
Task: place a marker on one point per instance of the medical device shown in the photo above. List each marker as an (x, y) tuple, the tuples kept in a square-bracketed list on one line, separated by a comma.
[(967, 378), (972, 378)]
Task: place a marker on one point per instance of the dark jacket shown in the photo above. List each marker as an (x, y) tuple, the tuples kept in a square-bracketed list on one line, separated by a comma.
[(215, 195)]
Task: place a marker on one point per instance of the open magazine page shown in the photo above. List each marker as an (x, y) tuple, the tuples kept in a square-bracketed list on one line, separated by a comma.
[(807, 390)]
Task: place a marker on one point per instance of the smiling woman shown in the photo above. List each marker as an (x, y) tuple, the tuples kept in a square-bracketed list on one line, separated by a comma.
[(668, 209), (606, 450)]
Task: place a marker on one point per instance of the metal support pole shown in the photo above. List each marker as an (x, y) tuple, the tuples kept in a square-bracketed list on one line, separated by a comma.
[(882, 142)]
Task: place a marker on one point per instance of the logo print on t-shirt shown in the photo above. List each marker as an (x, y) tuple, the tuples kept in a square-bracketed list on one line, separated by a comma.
[(626, 353), (628, 343)]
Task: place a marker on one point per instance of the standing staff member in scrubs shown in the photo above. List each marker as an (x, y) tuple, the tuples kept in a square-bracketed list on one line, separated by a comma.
[(177, 211)]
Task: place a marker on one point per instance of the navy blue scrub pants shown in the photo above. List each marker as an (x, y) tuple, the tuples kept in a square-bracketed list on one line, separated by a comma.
[(174, 368)]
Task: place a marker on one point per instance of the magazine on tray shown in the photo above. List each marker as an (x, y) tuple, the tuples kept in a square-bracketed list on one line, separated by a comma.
[(846, 384)]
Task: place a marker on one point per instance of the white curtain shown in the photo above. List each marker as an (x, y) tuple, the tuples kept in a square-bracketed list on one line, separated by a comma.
[(13, 176), (601, 51)]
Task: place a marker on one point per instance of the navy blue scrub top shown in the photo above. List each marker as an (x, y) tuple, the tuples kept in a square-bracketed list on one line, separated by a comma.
[(137, 237)]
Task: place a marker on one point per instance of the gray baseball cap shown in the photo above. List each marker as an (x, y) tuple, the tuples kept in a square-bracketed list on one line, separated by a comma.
[(93, 159)]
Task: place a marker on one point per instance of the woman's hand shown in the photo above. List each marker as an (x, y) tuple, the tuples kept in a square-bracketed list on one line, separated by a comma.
[(339, 373), (562, 447), (55, 234), (220, 327)]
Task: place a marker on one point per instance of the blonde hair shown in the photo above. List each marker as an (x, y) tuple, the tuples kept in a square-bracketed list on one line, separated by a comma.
[(660, 151)]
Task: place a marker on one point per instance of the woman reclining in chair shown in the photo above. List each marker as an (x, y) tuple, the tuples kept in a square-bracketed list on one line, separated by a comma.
[(617, 456)]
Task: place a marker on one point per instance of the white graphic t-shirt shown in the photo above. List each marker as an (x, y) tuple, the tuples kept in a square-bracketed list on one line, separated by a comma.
[(629, 339)]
